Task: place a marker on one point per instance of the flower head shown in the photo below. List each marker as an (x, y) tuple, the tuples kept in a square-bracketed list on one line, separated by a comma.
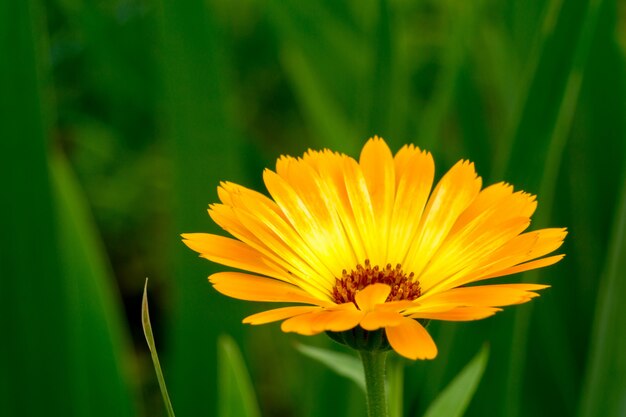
[(371, 244)]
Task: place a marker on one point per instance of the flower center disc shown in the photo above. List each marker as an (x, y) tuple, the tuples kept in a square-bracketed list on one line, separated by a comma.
[(402, 285)]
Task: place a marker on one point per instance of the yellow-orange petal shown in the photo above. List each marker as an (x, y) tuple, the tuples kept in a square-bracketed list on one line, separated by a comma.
[(539, 263), (376, 319), (413, 189), (302, 197), (268, 245), (452, 195), (379, 172), (499, 202), (324, 222), (362, 210), (371, 295), (466, 251), (225, 217), (254, 288), (411, 340), (509, 258), (337, 320), (234, 253), (398, 306), (459, 314), (484, 295), (282, 243), (230, 194), (303, 324), (402, 158), (278, 314)]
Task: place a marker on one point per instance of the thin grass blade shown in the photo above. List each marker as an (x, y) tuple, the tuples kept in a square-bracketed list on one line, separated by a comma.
[(604, 389), (147, 331)]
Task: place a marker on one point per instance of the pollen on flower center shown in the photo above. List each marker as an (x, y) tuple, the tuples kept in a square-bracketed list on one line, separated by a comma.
[(402, 285)]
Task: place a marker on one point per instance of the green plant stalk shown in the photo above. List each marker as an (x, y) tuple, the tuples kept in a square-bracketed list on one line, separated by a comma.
[(374, 367)]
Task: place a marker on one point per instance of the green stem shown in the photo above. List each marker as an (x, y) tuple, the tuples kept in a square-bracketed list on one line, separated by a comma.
[(374, 367)]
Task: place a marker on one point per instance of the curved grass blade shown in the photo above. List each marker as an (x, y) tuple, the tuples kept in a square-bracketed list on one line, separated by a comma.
[(322, 77), (204, 141), (343, 364), (97, 328), (454, 399), (236, 394), (34, 355), (604, 388), (545, 154), (147, 331), (63, 334), (463, 19)]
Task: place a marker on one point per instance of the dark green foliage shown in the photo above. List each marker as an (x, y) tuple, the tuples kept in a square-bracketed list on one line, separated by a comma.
[(130, 112)]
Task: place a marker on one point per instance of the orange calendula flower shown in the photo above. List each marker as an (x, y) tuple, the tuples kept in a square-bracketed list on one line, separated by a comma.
[(370, 244)]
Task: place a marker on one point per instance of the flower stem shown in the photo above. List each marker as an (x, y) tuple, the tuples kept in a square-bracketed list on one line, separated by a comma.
[(374, 367)]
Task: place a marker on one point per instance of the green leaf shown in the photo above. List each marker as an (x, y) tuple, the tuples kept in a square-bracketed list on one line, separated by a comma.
[(33, 312), (604, 387), (97, 328), (147, 331), (66, 344), (343, 364), (323, 63), (320, 108), (455, 398), (236, 394), (534, 152), (462, 21), (202, 137)]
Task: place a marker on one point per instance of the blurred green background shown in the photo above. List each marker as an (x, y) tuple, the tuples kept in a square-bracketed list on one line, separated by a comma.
[(119, 118)]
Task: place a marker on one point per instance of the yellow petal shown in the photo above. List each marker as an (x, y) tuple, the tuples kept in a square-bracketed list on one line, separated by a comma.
[(499, 202), (402, 159), (303, 324), (278, 314), (522, 248), (254, 288), (467, 251), (376, 319), (370, 296), (540, 263), (452, 195), (283, 242), (413, 189), (234, 253), (338, 320), (229, 219), (459, 314), (378, 170), (230, 194), (305, 200), (259, 222), (363, 211), (225, 217), (484, 295), (398, 306), (330, 167), (411, 340)]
